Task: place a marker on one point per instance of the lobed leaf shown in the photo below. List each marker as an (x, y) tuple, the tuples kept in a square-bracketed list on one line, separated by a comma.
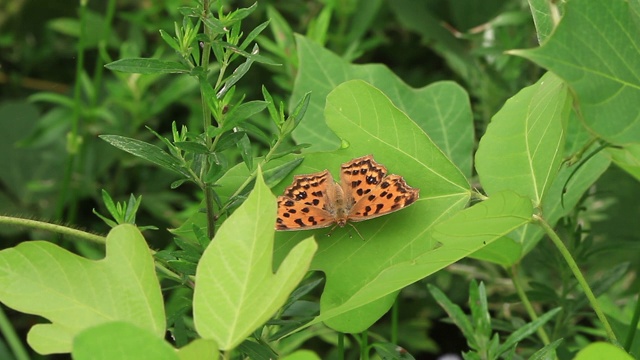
[(75, 293)]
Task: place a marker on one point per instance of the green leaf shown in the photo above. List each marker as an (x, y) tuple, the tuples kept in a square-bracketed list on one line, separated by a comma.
[(120, 340), (238, 264), (602, 350), (552, 205), (542, 12), (368, 122), (526, 330), (43, 279), (596, 50), (191, 146), (199, 349), (442, 110), (146, 151), (389, 351), (454, 311), (147, 66), (241, 113), (627, 158), (548, 352), (523, 145)]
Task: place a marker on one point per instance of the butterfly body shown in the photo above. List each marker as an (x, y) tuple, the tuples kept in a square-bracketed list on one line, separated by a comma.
[(365, 191)]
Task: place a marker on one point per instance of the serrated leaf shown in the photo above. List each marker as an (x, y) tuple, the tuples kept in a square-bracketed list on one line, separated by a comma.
[(238, 265), (148, 66), (43, 279)]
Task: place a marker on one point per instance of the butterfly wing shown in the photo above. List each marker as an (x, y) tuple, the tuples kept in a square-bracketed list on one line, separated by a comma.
[(307, 203), (360, 176), (373, 193)]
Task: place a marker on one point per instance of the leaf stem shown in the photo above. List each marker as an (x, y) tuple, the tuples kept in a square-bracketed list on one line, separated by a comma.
[(578, 275), (59, 229), (513, 272)]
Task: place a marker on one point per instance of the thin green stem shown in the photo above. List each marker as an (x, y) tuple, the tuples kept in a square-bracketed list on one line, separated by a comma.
[(98, 70), (340, 346), (9, 333), (578, 275), (394, 322), (633, 326), (206, 123), (513, 272), (73, 141), (59, 229)]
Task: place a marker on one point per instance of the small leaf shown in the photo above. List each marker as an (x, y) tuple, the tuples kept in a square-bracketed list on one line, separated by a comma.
[(275, 175), (548, 352), (454, 311), (242, 112), (169, 40), (147, 66), (191, 146), (228, 140), (526, 330), (146, 151)]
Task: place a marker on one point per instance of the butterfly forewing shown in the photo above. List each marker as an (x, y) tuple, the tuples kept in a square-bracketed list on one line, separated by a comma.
[(390, 195), (360, 176), (302, 205)]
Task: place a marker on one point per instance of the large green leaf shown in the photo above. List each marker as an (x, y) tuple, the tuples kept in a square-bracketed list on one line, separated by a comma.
[(602, 350), (454, 238), (236, 289), (369, 123), (442, 109), (562, 197), (74, 293), (523, 145), (596, 49)]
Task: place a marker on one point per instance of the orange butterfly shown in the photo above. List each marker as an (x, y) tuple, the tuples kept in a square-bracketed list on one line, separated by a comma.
[(365, 191)]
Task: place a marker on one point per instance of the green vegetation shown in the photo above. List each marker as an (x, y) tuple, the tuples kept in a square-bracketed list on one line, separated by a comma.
[(144, 146)]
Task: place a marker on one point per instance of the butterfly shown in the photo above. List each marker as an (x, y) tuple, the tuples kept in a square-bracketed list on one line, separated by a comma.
[(365, 192)]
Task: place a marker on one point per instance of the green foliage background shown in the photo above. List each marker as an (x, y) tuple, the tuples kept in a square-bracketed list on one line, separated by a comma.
[(508, 115)]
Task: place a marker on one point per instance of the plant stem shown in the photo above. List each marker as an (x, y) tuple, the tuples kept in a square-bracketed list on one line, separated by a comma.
[(364, 346), (633, 326), (340, 346), (513, 272), (206, 123), (59, 229), (578, 275), (9, 333), (73, 141), (394, 322)]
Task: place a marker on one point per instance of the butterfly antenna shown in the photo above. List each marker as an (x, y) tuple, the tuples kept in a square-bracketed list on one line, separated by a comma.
[(357, 232), (331, 231)]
